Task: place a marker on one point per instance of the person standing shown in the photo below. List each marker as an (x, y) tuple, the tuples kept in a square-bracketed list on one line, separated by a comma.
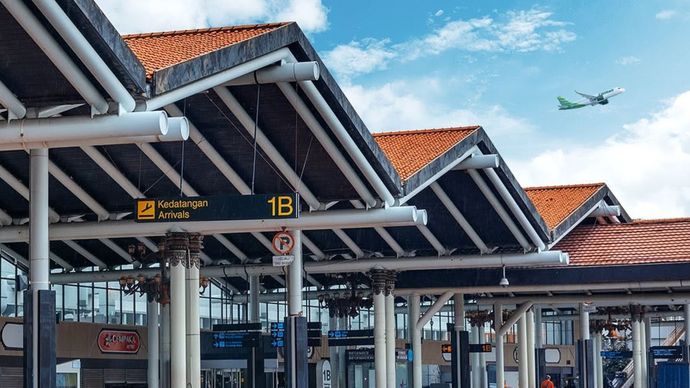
[(547, 383)]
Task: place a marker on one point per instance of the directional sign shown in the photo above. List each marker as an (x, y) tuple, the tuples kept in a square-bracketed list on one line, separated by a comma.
[(672, 352), (235, 339), (474, 348), (616, 355), (217, 208), (350, 337), (283, 242)]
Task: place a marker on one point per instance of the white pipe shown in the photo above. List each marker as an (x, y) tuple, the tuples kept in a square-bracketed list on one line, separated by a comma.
[(415, 340), (500, 359), (523, 363), (346, 219), (459, 218), (86, 53), (380, 339), (178, 351), (57, 55), (15, 107), (78, 129), (295, 276), (531, 363), (265, 144), (324, 267), (285, 72), (479, 162), (327, 143), (605, 210), (193, 344), (153, 359), (39, 251), (346, 140), (390, 340), (253, 305), (215, 80), (433, 309), (515, 209), (491, 197), (637, 351)]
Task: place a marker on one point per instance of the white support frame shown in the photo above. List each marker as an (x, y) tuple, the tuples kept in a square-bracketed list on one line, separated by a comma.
[(15, 108), (459, 218), (85, 253)]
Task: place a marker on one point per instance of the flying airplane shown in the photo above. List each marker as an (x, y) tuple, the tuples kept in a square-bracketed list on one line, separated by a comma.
[(589, 100)]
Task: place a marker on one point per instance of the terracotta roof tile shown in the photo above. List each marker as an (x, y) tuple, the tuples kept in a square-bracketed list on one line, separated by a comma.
[(159, 50), (556, 203), (410, 151), (637, 242)]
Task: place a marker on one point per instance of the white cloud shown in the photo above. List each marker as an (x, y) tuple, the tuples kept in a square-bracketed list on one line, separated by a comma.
[(666, 14), (395, 106), (438, 13), (628, 60), (359, 57), (645, 164), (131, 16), (516, 31)]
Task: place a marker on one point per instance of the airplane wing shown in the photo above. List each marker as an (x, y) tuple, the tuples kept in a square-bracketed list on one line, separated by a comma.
[(589, 96)]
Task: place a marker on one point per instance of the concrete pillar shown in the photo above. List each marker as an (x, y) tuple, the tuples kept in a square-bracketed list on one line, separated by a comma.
[(637, 350), (584, 322), (458, 324), (500, 360), (390, 333), (39, 245), (538, 343), (178, 348), (253, 303), (165, 346), (193, 343), (152, 376), (523, 363), (482, 358), (380, 363), (333, 355), (342, 362), (415, 336), (531, 364), (687, 322), (645, 329), (297, 365)]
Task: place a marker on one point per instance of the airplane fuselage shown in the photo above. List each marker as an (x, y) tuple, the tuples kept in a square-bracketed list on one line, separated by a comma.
[(590, 100)]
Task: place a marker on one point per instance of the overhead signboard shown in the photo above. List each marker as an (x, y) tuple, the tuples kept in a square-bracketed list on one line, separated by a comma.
[(350, 337), (217, 208), (118, 341), (474, 348), (235, 339), (616, 354), (668, 352), (278, 334)]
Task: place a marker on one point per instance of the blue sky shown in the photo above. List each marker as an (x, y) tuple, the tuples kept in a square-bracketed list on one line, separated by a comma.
[(501, 64)]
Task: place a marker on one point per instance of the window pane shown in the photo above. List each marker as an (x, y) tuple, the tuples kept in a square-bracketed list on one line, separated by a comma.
[(114, 308), (141, 309), (127, 309), (70, 303), (85, 303), (58, 300)]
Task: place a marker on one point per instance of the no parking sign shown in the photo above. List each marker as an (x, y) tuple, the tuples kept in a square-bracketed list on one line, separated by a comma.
[(283, 242)]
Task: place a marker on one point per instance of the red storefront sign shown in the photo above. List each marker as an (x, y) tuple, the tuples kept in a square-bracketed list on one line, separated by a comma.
[(118, 341)]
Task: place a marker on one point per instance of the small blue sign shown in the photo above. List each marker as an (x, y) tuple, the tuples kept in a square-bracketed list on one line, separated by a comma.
[(616, 354)]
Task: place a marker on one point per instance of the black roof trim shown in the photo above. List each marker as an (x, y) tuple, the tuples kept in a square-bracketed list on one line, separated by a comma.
[(97, 29)]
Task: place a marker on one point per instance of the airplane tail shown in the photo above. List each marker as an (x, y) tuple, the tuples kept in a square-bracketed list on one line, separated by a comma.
[(564, 103)]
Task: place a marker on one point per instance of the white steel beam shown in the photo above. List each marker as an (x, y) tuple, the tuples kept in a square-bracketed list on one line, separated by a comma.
[(459, 218), (429, 236), (328, 144), (16, 109), (285, 72), (57, 55), (351, 244), (86, 254), (496, 204), (265, 144), (383, 233)]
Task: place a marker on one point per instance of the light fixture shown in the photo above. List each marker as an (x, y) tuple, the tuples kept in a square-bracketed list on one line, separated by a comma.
[(504, 280)]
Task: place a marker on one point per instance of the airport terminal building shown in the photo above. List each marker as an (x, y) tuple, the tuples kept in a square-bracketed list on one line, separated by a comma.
[(205, 208)]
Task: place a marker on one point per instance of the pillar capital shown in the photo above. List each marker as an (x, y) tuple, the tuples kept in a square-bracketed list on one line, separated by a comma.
[(382, 281)]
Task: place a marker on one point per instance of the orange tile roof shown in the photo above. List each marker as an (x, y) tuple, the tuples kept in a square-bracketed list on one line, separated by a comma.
[(410, 151), (158, 50), (637, 242), (556, 203)]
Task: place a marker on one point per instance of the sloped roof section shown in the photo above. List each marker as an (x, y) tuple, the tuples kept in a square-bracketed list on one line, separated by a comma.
[(160, 50), (637, 242), (410, 151), (557, 203)]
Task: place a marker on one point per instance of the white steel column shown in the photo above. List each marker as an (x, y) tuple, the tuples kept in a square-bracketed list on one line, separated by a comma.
[(474, 359), (458, 324), (295, 276), (531, 364), (584, 322), (165, 346), (253, 305), (390, 339), (598, 363), (193, 344), (637, 350), (415, 336), (342, 365), (523, 363), (482, 358), (644, 345), (152, 377), (500, 360), (333, 354), (378, 280), (178, 367), (687, 323), (39, 243)]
